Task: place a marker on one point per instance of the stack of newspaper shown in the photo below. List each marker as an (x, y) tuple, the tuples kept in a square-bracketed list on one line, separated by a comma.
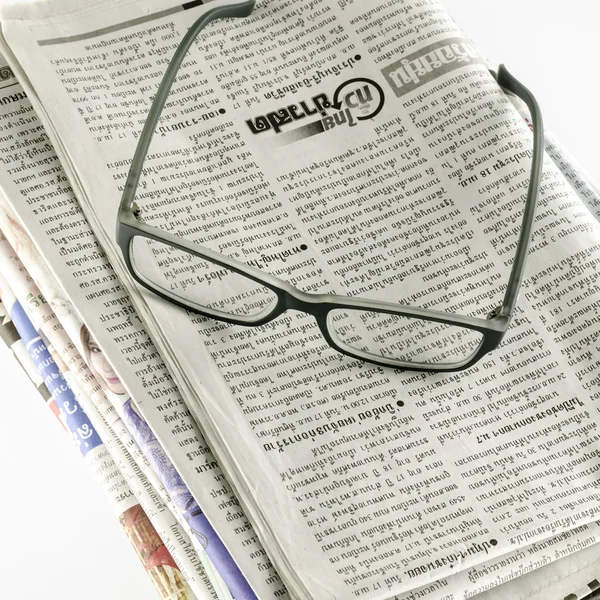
[(356, 148)]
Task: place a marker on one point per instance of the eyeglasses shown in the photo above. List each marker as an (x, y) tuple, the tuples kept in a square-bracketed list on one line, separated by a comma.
[(383, 333)]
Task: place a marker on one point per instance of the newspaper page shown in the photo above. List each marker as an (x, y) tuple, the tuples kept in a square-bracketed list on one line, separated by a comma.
[(117, 328), (575, 577), (476, 464), (151, 550), (464, 584), (80, 415), (94, 382), (122, 414), (581, 182)]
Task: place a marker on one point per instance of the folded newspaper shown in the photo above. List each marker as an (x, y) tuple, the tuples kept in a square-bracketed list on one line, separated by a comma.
[(350, 148), (36, 358)]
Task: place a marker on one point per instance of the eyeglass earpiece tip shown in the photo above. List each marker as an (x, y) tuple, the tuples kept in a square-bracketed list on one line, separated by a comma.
[(247, 7), (503, 77)]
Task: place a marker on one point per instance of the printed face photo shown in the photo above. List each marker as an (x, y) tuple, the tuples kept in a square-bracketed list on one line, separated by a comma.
[(99, 365), (102, 367)]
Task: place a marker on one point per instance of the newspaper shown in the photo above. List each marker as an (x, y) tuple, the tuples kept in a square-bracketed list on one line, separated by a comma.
[(111, 399), (107, 312), (155, 557), (571, 578), (471, 424), (121, 411), (583, 185), (17, 346), (85, 417)]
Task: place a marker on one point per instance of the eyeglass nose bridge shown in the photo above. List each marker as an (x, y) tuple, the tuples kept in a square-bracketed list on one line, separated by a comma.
[(311, 304)]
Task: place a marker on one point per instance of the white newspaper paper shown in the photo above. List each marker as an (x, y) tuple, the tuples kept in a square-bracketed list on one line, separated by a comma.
[(125, 482)]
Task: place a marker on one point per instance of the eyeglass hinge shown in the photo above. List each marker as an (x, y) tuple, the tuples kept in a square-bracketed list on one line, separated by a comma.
[(136, 210), (494, 313)]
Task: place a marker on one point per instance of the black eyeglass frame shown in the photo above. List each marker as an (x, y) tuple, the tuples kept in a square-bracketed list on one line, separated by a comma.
[(492, 328)]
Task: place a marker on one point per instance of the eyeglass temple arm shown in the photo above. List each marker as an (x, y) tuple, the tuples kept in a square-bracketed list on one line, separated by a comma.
[(243, 9), (508, 82)]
